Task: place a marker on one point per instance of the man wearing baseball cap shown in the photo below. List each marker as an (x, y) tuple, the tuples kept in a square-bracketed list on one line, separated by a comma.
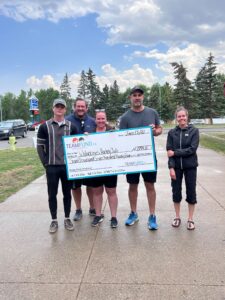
[(138, 116), (51, 152)]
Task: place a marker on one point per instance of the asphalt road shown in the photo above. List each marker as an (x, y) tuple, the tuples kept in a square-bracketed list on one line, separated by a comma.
[(203, 129), (21, 142), (28, 140)]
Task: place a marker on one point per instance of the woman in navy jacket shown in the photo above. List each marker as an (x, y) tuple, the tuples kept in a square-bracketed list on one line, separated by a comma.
[(182, 144)]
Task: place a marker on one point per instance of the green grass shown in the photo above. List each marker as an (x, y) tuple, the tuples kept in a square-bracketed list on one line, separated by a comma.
[(216, 142), (214, 126), (220, 135), (17, 169)]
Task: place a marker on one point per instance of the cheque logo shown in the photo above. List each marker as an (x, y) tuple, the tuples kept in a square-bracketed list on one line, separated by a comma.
[(75, 140), (81, 143)]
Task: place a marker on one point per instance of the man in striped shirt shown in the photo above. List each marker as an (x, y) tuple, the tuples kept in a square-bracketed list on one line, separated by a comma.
[(51, 153)]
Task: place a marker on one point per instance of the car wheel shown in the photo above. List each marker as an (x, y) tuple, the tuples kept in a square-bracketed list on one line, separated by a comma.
[(24, 134)]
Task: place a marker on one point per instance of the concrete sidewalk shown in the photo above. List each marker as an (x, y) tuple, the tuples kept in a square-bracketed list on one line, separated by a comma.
[(125, 263)]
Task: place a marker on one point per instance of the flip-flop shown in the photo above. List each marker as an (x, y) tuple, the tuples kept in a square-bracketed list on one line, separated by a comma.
[(190, 225), (176, 222)]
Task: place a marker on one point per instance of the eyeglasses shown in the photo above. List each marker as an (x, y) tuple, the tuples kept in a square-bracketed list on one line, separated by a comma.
[(98, 110)]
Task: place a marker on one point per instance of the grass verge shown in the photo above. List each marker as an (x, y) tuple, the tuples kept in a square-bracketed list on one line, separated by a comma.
[(17, 169), (215, 142)]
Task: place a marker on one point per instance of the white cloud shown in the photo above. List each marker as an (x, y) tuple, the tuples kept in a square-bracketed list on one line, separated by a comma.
[(138, 22), (190, 29), (52, 10), (47, 81), (193, 57), (127, 78)]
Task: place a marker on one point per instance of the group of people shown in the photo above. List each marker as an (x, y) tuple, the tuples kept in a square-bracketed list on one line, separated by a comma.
[(182, 144)]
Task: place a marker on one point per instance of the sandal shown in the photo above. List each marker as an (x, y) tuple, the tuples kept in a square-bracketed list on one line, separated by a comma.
[(190, 225), (176, 222)]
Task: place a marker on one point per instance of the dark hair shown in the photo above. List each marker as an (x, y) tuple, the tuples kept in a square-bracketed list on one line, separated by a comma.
[(181, 108), (80, 99)]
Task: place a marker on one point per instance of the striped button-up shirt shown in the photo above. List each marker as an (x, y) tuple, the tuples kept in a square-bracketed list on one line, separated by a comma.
[(49, 141)]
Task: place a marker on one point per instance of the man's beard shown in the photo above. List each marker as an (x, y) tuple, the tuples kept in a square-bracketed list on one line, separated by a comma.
[(137, 103)]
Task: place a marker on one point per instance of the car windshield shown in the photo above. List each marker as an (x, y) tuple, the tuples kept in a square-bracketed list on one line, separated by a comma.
[(6, 124)]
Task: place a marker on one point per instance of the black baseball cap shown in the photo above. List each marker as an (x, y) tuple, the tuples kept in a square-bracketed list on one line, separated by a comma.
[(136, 89)]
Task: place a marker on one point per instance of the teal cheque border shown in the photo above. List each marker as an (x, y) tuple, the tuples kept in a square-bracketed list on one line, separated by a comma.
[(122, 173)]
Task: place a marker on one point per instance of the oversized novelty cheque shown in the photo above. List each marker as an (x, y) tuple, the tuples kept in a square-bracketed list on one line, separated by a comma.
[(110, 153)]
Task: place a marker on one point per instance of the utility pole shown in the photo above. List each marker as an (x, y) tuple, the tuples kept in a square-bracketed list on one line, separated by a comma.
[(1, 108), (160, 101)]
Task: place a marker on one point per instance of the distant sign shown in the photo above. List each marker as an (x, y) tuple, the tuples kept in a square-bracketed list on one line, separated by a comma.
[(33, 103)]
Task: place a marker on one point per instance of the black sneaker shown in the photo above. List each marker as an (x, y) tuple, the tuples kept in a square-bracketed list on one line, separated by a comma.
[(114, 222), (92, 212), (78, 215), (53, 227), (97, 220), (68, 224)]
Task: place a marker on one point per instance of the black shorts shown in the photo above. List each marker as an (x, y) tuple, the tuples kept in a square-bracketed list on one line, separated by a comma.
[(107, 181), (133, 178), (79, 182)]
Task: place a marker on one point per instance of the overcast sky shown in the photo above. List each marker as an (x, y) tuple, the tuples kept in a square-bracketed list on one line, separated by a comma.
[(128, 41)]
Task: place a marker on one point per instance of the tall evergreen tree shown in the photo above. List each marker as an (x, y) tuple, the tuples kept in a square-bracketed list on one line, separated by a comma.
[(200, 94), (30, 93), (65, 91), (93, 91), (168, 105), (211, 86), (105, 97), (21, 107), (103, 102), (206, 89), (220, 96), (115, 108), (83, 86), (183, 88), (8, 101), (155, 97)]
